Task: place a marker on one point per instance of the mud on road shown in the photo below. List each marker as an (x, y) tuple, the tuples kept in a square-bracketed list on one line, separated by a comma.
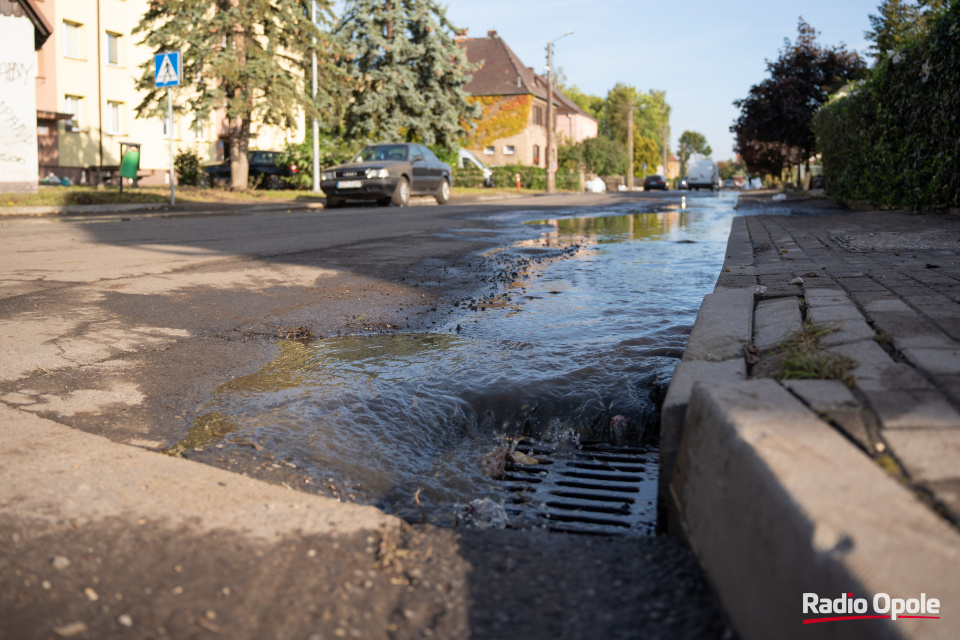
[(129, 352)]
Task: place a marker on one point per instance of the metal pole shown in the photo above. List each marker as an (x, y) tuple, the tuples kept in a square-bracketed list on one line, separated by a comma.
[(170, 131), (630, 145), (316, 124), (550, 176)]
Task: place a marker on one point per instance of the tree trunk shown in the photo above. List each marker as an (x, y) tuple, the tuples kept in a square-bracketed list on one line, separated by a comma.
[(239, 144)]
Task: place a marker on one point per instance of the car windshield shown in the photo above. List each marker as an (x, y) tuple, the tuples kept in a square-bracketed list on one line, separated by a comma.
[(382, 152)]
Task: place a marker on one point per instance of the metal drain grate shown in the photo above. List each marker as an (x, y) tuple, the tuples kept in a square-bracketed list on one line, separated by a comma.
[(598, 489)]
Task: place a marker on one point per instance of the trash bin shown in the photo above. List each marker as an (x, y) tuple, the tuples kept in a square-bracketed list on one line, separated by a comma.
[(129, 162)]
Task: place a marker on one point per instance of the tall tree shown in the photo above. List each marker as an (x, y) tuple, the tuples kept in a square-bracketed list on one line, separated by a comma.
[(406, 72), (774, 128), (692, 142), (651, 115), (246, 56), (900, 22)]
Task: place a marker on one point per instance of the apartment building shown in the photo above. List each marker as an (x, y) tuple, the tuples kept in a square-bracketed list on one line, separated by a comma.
[(87, 98)]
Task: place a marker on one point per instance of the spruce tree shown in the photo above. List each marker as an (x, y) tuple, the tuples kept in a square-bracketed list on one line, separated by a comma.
[(248, 56), (406, 73)]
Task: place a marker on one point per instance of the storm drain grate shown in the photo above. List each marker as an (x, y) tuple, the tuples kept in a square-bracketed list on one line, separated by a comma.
[(598, 489)]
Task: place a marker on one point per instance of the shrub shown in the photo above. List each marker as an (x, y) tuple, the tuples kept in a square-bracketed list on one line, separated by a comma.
[(188, 167), (894, 140)]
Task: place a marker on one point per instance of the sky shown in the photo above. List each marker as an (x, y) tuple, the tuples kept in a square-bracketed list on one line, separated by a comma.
[(704, 54)]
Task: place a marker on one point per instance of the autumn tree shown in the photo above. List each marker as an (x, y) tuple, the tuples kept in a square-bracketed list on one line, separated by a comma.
[(246, 57), (406, 73), (651, 116), (692, 142), (774, 128)]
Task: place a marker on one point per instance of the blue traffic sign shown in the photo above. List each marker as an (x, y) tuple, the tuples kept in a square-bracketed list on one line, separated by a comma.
[(167, 69)]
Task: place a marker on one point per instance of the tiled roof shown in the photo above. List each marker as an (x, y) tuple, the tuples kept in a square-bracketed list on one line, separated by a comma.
[(501, 73)]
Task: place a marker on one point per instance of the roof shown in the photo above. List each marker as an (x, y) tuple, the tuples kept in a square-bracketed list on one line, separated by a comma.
[(20, 8), (501, 73)]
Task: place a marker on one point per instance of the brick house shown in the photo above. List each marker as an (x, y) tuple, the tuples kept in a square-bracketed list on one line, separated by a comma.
[(514, 98)]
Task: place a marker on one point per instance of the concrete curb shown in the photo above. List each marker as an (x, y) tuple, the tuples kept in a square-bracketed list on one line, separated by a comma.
[(774, 501)]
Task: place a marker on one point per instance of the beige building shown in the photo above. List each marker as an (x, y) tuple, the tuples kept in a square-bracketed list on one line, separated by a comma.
[(86, 98), (510, 90)]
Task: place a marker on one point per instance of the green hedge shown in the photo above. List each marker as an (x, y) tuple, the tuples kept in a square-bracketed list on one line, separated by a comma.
[(505, 177), (895, 140)]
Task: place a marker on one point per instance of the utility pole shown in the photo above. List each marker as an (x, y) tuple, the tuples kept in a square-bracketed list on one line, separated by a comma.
[(551, 177), (316, 124), (630, 145)]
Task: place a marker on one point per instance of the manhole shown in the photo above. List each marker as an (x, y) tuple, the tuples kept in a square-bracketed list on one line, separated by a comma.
[(597, 489)]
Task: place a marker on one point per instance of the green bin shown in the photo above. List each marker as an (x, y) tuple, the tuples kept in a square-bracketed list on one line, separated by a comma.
[(130, 163)]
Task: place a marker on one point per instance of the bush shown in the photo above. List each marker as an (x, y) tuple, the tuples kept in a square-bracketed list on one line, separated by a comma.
[(894, 141), (189, 168), (333, 151), (534, 178)]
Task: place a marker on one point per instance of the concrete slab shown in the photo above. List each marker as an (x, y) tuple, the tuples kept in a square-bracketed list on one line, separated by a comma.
[(685, 375), (776, 503), (824, 297), (724, 324), (60, 474), (911, 408), (935, 361), (775, 320), (848, 331), (823, 395), (928, 455)]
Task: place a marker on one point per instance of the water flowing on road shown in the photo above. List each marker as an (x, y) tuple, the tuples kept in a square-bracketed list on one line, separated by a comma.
[(575, 346)]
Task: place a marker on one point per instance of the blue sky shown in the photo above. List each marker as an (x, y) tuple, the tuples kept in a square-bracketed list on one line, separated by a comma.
[(703, 54)]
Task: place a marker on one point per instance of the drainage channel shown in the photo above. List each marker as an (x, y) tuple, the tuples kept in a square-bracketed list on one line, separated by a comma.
[(598, 489)]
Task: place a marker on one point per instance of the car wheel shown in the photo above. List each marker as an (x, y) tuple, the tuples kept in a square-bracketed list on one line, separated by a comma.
[(443, 193), (273, 182), (401, 195), (333, 203)]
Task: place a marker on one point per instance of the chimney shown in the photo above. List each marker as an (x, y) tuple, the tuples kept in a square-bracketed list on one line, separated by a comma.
[(492, 33)]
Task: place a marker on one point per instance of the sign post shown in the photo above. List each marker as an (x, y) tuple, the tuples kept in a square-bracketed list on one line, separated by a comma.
[(167, 70)]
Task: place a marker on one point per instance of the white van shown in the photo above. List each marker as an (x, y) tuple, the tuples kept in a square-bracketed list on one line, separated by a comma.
[(703, 174), (466, 159)]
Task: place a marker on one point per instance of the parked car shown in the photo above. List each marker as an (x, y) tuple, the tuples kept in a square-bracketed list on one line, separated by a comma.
[(654, 182), (683, 183), (703, 174), (467, 160), (728, 183), (265, 170), (388, 173)]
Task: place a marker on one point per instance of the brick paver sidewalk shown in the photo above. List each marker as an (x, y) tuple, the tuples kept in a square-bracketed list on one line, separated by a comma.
[(888, 283)]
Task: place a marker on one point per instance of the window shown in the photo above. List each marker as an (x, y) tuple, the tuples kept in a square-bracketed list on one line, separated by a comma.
[(114, 115), (509, 150), (71, 39), (199, 129), (72, 105), (536, 154), (489, 151), (538, 115), (166, 127), (113, 48)]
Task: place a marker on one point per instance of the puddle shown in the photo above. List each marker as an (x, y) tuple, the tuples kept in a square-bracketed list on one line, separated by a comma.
[(590, 322)]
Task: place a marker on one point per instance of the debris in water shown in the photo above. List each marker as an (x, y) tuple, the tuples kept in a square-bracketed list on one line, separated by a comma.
[(760, 289), (301, 333), (780, 197), (522, 458), (484, 513), (797, 281), (619, 427), (494, 464)]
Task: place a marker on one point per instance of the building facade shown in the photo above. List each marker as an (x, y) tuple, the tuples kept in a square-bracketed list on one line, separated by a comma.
[(86, 99), (513, 128)]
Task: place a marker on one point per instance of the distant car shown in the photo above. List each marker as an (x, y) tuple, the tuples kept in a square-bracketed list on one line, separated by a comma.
[(654, 182), (388, 173), (467, 160), (265, 170), (682, 184), (728, 183)]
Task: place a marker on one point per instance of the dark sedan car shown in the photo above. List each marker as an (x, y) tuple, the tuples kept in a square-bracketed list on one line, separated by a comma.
[(388, 173), (654, 182), (265, 170)]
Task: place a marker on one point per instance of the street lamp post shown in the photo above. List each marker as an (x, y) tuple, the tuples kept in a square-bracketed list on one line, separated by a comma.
[(316, 125), (551, 177)]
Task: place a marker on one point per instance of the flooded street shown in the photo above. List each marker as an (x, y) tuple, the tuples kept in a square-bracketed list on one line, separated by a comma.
[(574, 347)]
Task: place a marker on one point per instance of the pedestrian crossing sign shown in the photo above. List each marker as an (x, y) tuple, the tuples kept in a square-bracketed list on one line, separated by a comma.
[(167, 68)]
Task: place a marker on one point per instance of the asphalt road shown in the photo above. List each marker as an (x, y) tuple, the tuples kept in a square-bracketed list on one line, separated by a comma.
[(114, 329)]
